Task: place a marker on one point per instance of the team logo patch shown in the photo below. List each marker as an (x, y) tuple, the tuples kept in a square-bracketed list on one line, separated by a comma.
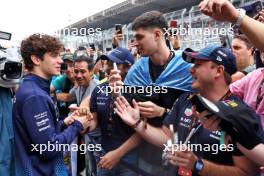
[(231, 103), (188, 112)]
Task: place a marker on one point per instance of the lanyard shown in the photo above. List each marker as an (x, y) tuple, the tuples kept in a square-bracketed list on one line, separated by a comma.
[(83, 93)]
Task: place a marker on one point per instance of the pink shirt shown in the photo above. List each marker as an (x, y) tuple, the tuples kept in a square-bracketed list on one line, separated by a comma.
[(247, 89)]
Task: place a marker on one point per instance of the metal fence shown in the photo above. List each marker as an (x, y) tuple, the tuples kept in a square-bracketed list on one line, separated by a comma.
[(194, 29)]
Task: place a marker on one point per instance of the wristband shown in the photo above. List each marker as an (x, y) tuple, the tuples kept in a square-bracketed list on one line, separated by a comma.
[(137, 123), (238, 22)]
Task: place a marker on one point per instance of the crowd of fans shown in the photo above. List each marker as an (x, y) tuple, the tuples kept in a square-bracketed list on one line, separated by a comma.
[(136, 108)]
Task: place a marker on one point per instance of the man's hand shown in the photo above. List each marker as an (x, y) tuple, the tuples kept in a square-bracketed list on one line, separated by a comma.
[(208, 120), (184, 159), (110, 160), (149, 109), (73, 107), (221, 10), (127, 113), (69, 120), (84, 112), (117, 38), (115, 82), (83, 120)]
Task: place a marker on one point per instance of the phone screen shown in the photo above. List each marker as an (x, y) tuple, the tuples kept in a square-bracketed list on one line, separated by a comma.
[(92, 47), (118, 28)]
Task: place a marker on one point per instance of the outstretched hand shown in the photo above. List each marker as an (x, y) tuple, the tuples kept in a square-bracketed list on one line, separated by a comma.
[(130, 115)]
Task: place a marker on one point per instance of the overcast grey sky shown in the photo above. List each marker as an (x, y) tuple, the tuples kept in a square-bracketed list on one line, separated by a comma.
[(24, 17)]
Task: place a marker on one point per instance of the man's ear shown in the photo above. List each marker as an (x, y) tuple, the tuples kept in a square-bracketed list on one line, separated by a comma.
[(35, 60), (220, 70), (158, 33)]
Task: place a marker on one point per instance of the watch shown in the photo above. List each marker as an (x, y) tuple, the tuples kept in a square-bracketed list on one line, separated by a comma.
[(238, 22), (198, 166)]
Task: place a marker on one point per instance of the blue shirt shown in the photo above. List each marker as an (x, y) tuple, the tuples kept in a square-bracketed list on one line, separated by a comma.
[(35, 122), (114, 131)]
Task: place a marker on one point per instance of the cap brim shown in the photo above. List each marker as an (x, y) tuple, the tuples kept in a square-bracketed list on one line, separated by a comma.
[(111, 58), (68, 60), (192, 56), (211, 107)]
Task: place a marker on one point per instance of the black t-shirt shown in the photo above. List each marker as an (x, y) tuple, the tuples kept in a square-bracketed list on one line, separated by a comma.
[(182, 120), (156, 70)]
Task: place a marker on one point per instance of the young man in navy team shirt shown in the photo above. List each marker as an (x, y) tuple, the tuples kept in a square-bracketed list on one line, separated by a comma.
[(116, 135), (35, 117)]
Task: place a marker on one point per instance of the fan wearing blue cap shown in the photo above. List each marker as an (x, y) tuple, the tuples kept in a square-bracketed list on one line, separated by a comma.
[(219, 55), (114, 131), (122, 57), (211, 74)]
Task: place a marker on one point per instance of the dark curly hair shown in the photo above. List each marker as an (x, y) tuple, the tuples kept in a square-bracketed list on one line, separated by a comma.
[(38, 45)]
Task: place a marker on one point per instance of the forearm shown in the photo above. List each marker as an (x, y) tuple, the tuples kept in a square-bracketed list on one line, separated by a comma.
[(253, 29), (131, 143), (212, 169), (94, 122), (65, 97), (256, 154), (153, 135)]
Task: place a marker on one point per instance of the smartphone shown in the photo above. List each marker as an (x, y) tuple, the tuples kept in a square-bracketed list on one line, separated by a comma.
[(253, 9), (92, 47), (118, 27)]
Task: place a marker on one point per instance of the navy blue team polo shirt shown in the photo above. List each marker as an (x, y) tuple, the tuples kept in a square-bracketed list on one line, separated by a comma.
[(182, 120), (114, 131), (35, 122)]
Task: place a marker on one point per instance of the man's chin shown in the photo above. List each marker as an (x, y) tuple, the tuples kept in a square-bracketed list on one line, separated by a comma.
[(57, 73)]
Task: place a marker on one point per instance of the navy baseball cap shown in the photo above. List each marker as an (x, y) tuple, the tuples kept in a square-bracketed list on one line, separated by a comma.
[(120, 56), (217, 54), (237, 119)]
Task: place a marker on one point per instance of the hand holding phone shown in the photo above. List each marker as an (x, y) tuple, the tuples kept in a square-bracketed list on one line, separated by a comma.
[(118, 28)]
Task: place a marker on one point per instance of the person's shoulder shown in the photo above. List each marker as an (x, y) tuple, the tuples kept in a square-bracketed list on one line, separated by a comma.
[(185, 96), (95, 82), (30, 92), (183, 99), (141, 61)]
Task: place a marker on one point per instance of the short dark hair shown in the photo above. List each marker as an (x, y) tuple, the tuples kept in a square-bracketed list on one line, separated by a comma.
[(244, 38), (228, 78), (38, 45), (149, 20), (88, 60)]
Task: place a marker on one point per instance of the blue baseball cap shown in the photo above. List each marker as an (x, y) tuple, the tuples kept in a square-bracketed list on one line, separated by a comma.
[(217, 54), (120, 56)]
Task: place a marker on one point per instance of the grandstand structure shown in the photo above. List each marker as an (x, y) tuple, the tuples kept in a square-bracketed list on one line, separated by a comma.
[(194, 29)]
